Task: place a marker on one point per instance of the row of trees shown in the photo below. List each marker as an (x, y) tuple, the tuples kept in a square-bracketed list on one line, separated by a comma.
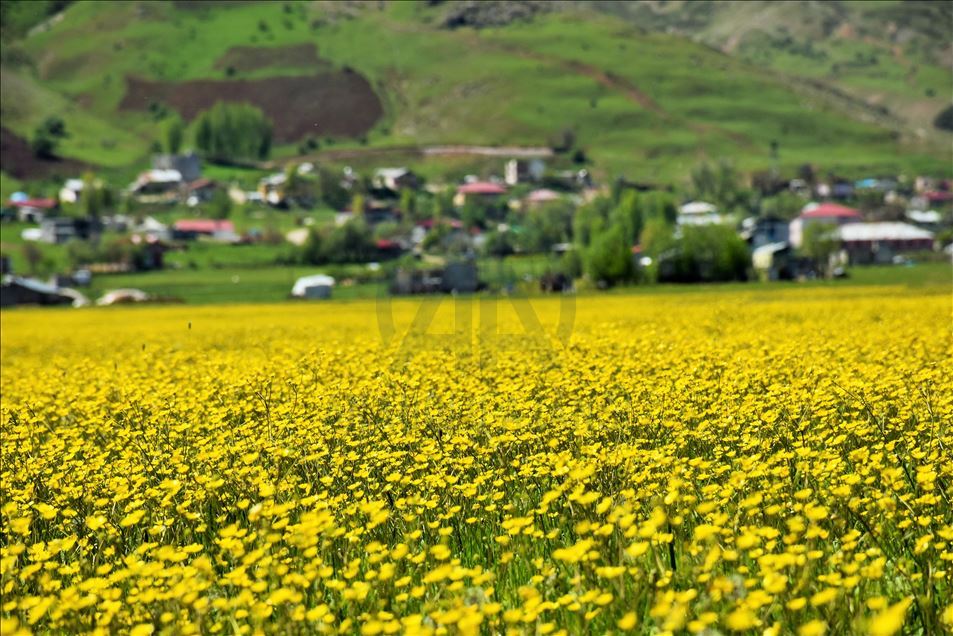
[(230, 132)]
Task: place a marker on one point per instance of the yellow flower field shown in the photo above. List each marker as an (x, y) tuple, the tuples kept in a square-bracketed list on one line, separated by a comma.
[(757, 462)]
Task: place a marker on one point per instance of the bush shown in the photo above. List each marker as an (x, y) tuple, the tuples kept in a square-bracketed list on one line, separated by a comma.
[(47, 136), (711, 253)]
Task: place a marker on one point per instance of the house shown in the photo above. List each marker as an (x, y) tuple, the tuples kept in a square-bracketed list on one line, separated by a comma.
[(28, 291), (376, 212), (928, 220), (190, 229), (482, 191), (539, 198), (388, 249), (763, 230), (774, 261), (153, 229), (867, 243), (842, 190), (32, 210), (395, 179), (60, 230), (316, 286), (72, 190), (272, 188), (157, 186), (200, 191), (456, 277), (522, 170), (188, 165), (820, 214), (698, 213), (123, 297)]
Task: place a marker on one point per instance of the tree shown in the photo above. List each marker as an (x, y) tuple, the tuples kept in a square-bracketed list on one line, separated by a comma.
[(334, 194), (628, 215), (229, 131), (703, 254), (719, 183), (408, 203), (818, 243), (174, 132), (312, 252), (47, 136), (96, 197), (609, 257), (350, 243), (944, 119), (220, 207)]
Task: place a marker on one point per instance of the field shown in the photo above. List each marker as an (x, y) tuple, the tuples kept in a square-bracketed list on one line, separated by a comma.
[(735, 461)]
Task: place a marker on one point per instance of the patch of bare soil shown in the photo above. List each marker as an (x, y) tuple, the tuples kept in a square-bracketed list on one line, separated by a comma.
[(339, 103), (17, 160), (252, 58)]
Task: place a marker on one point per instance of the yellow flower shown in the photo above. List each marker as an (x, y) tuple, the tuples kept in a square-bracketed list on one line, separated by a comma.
[(132, 518), (889, 621), (812, 628), (627, 622), (740, 620)]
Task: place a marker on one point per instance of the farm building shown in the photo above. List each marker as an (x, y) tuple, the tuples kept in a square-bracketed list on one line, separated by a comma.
[(72, 190), (188, 165), (522, 170), (821, 214), (157, 186), (698, 213), (62, 229), (316, 286), (32, 210), (485, 191), (774, 261), (395, 179), (541, 197), (764, 230), (866, 243), (27, 291), (190, 229)]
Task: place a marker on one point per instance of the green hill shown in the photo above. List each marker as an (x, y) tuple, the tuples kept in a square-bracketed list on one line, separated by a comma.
[(372, 76)]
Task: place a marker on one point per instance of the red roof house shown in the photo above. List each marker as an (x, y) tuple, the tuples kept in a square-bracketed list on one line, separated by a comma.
[(203, 226), (821, 213), (830, 211)]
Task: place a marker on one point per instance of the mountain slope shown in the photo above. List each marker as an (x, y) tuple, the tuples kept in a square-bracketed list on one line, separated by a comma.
[(635, 101)]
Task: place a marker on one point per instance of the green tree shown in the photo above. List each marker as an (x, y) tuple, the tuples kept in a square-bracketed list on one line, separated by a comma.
[(174, 132), (312, 252), (220, 207), (408, 203), (609, 257), (96, 197), (47, 136), (230, 131), (333, 193), (819, 243), (627, 214), (704, 254)]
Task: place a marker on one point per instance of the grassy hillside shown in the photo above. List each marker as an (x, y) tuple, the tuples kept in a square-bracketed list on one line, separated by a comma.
[(640, 102), (894, 57)]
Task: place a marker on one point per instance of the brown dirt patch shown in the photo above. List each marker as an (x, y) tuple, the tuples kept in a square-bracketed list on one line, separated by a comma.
[(17, 160), (341, 103), (252, 58)]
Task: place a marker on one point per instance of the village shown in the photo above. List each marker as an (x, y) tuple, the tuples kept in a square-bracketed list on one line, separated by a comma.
[(390, 228)]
